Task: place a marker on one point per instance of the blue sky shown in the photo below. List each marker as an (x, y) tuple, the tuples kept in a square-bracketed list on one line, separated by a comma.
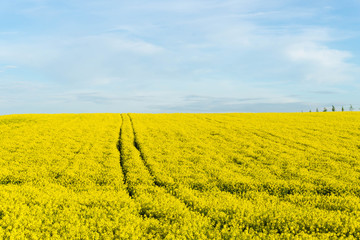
[(178, 56)]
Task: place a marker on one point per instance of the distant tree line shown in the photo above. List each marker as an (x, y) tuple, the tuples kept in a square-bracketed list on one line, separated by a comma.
[(333, 109)]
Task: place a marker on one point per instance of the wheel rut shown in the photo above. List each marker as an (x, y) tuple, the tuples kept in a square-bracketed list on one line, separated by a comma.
[(119, 144), (146, 164), (159, 184)]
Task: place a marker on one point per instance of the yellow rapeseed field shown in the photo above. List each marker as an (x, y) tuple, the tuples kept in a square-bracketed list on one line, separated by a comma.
[(180, 176)]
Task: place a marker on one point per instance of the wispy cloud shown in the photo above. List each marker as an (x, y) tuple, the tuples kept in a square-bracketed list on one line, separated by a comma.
[(196, 55), (7, 67), (322, 64)]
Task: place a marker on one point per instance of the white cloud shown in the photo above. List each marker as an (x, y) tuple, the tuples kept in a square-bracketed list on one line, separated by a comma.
[(170, 49), (94, 60), (322, 64), (306, 49), (6, 67), (41, 51), (317, 54)]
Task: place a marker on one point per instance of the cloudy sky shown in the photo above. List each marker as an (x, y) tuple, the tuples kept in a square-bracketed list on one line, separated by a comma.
[(178, 56)]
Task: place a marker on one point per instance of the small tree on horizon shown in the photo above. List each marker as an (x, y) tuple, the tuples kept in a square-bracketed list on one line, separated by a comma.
[(317, 110), (342, 108), (351, 108), (325, 110), (333, 108)]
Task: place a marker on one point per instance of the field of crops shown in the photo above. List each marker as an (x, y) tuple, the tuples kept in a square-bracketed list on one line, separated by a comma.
[(180, 176)]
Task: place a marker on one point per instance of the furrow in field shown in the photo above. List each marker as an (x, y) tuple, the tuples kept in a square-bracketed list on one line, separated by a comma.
[(155, 179), (308, 150), (119, 144), (192, 199), (192, 158), (302, 138), (136, 145), (72, 184), (168, 213), (214, 200), (214, 203), (290, 146), (269, 150)]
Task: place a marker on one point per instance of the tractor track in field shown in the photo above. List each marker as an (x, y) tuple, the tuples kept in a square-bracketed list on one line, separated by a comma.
[(162, 185), (159, 183), (122, 159), (188, 204), (146, 164)]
